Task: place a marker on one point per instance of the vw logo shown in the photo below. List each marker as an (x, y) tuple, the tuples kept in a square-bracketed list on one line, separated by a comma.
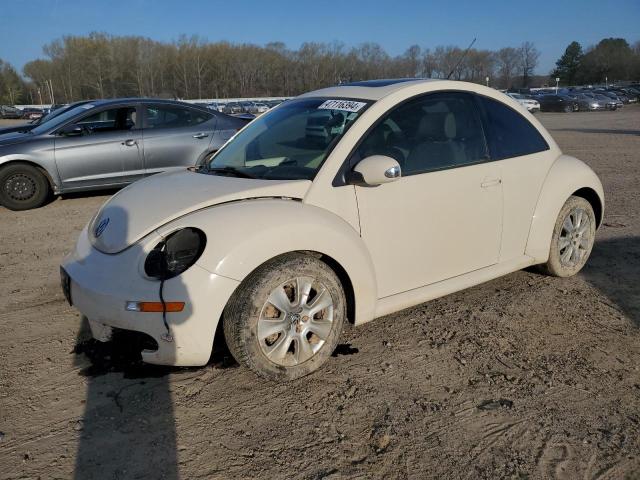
[(102, 226)]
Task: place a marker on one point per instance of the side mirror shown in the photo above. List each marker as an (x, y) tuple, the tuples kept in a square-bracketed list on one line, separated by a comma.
[(375, 170), (71, 131)]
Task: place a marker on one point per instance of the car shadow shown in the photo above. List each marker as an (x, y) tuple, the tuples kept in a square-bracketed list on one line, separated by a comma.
[(90, 193), (128, 427), (614, 269)]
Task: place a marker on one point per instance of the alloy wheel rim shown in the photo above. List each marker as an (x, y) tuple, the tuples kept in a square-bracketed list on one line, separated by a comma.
[(575, 237), (295, 321), (20, 187)]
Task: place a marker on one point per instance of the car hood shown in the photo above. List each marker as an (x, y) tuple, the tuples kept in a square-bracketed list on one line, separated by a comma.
[(13, 137), (148, 204)]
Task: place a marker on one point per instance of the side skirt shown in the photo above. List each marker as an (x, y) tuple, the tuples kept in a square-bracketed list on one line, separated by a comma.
[(403, 300)]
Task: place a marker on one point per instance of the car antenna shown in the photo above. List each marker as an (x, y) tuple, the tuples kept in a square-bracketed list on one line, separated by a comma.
[(461, 58)]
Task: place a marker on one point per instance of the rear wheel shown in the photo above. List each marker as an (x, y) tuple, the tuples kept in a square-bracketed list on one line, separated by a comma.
[(285, 319), (23, 187), (573, 237)]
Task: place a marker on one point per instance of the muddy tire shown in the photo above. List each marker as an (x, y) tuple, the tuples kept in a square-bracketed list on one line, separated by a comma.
[(285, 319), (23, 187), (573, 237)]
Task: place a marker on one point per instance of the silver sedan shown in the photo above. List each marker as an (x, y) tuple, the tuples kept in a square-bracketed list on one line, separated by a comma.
[(107, 144)]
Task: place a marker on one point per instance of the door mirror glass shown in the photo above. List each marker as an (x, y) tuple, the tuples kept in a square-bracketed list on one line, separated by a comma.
[(71, 131), (375, 170)]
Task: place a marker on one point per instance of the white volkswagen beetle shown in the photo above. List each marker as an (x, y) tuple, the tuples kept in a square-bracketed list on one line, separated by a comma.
[(343, 204)]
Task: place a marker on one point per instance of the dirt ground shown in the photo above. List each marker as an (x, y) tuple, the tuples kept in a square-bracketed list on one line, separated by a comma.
[(523, 377)]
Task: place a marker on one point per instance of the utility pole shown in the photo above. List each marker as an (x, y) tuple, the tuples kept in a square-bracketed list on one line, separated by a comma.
[(557, 83), (487, 80)]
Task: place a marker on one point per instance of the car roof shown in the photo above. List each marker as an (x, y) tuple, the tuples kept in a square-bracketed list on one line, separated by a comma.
[(369, 89), (114, 101)]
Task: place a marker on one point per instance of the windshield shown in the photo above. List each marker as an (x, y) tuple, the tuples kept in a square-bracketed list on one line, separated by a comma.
[(58, 120), (290, 142)]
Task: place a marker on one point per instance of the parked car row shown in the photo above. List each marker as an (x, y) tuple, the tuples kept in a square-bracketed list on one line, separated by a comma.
[(97, 144), (574, 99), (244, 107), (27, 113), (254, 108)]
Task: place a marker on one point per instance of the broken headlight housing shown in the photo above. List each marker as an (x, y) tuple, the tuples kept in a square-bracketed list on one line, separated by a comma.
[(175, 254)]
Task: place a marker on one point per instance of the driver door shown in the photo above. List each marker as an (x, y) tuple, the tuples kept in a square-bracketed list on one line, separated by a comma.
[(443, 217), (108, 153)]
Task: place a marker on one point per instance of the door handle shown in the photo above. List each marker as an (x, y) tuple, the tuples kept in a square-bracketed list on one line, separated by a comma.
[(200, 135), (129, 143), (491, 183)]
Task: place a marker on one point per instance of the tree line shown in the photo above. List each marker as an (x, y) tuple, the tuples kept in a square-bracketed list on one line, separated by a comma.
[(102, 66), (612, 59)]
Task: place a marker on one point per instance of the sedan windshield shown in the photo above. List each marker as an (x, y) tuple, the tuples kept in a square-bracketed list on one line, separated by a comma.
[(60, 119), (289, 142)]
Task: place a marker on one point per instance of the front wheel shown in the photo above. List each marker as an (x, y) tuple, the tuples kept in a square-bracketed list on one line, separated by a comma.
[(285, 319), (573, 237), (23, 187)]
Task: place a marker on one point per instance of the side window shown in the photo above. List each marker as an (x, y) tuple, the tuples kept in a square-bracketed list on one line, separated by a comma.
[(509, 134), (111, 120), (433, 132), (170, 116)]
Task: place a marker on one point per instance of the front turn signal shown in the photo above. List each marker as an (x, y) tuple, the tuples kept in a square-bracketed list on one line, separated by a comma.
[(154, 307)]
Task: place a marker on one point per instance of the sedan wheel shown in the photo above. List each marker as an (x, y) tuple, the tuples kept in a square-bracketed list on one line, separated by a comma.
[(22, 187), (573, 238), (285, 320)]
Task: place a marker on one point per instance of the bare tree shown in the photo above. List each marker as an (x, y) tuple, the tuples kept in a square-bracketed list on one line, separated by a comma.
[(102, 65), (508, 62), (529, 56)]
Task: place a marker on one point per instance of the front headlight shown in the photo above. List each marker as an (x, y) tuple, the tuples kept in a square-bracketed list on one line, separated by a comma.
[(175, 254)]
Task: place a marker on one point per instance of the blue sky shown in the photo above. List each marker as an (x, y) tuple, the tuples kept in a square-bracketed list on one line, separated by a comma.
[(26, 25)]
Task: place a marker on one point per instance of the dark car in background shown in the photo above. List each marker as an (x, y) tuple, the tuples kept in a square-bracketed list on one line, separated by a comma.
[(632, 93), (107, 144), (30, 113), (11, 113), (557, 103), (618, 97), (610, 103)]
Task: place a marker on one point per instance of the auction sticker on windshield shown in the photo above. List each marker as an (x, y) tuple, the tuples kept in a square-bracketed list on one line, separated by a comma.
[(344, 105)]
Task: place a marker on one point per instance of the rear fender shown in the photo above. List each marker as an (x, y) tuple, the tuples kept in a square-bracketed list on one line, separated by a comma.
[(566, 176)]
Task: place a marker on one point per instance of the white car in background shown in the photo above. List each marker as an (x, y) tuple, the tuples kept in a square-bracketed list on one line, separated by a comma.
[(416, 189), (258, 108), (530, 104)]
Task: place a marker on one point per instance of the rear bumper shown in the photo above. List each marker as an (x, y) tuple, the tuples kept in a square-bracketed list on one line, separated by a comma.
[(101, 284)]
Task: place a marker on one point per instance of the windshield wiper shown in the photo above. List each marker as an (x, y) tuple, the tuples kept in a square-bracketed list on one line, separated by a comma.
[(232, 171)]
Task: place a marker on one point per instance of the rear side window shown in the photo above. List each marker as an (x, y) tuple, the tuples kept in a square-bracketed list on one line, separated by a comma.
[(170, 116), (509, 134)]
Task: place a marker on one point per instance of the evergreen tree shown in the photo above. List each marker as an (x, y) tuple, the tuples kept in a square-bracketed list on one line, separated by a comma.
[(568, 65)]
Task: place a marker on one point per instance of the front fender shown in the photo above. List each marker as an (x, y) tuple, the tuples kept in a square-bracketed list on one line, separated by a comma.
[(566, 176), (243, 235)]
